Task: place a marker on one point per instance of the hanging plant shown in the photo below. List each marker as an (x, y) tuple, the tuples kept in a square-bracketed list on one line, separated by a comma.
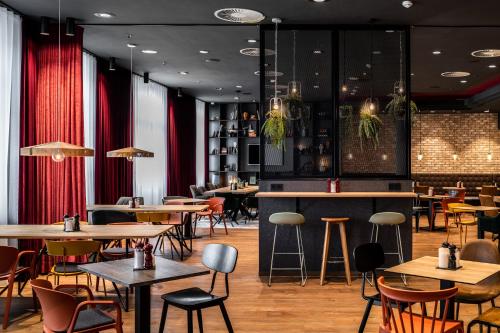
[(294, 106), (369, 125), (274, 128), (397, 107), (346, 116)]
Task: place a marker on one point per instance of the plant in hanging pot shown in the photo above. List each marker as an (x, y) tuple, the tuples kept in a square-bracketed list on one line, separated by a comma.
[(397, 107), (369, 124), (274, 128), (294, 106)]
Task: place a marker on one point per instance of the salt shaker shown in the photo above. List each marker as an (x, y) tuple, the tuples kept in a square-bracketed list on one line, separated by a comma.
[(139, 256), (443, 255)]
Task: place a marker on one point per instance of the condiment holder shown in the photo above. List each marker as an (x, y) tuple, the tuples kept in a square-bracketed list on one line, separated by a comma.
[(448, 257), (143, 257), (71, 224)]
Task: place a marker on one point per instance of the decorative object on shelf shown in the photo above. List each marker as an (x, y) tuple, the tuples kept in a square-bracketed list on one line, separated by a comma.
[(274, 127), (245, 115), (219, 132), (252, 180), (223, 150), (369, 125), (293, 100), (58, 150), (130, 152)]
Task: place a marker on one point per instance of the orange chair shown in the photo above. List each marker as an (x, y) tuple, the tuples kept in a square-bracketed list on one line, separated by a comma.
[(395, 319), (62, 313), (10, 270), (215, 212)]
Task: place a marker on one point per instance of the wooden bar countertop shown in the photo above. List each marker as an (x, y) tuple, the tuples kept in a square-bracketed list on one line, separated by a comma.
[(336, 195)]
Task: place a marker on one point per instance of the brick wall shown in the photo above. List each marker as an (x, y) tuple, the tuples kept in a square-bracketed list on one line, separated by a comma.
[(466, 134)]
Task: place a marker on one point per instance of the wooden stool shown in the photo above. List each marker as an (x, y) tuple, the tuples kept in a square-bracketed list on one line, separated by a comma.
[(326, 245)]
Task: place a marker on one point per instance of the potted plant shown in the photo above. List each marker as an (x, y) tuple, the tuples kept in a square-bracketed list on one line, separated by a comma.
[(369, 125), (294, 106), (397, 106), (274, 128)]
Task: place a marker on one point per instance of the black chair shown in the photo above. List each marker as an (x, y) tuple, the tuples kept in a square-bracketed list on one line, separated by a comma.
[(125, 200), (251, 204), (367, 258), (219, 258), (419, 210)]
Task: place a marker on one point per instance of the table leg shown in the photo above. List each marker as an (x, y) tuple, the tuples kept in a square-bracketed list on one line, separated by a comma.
[(445, 284), (143, 309)]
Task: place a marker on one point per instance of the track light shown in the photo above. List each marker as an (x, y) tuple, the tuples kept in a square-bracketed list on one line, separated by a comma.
[(44, 26), (112, 64), (179, 92), (146, 77), (70, 26)]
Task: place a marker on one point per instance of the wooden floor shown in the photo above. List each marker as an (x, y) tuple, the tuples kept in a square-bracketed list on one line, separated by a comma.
[(285, 307)]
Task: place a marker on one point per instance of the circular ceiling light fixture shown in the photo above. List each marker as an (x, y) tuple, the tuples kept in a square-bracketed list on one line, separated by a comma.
[(218, 89), (492, 66), (239, 86), (255, 52), (319, 1), (183, 73), (239, 15), (437, 52), (487, 53), (407, 4), (149, 51), (131, 45), (104, 15), (252, 41), (455, 74), (269, 73), (203, 51), (463, 81)]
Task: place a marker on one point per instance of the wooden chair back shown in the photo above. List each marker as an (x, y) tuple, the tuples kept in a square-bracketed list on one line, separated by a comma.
[(8, 259), (152, 217), (490, 190), (216, 205), (397, 320), (420, 189), (72, 248), (488, 200), (445, 204), (57, 307)]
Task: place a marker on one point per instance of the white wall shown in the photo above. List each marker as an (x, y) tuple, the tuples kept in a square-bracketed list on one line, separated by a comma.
[(201, 136)]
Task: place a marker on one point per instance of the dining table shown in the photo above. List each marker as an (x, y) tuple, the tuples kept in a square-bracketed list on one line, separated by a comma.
[(471, 272), (122, 272), (237, 195)]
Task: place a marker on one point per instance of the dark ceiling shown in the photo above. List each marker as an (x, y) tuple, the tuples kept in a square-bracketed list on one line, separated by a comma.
[(179, 46)]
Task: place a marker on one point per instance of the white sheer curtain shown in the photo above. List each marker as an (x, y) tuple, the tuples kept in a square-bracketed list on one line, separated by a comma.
[(150, 133), (200, 143), (10, 88), (89, 71)]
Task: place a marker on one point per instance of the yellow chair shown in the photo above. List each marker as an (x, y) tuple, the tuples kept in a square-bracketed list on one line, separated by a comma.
[(61, 250), (457, 217)]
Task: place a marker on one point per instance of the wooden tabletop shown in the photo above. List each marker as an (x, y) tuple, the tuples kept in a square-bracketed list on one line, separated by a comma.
[(476, 208), (55, 231), (227, 189), (453, 188), (433, 197), (151, 208), (472, 272), (188, 201), (121, 271), (336, 195)]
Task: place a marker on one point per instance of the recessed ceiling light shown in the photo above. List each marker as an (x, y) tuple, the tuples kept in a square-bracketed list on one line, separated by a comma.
[(353, 78), (318, 1), (252, 40), (218, 89), (203, 51), (317, 51), (149, 51), (377, 52), (463, 81), (389, 31), (212, 103), (486, 111), (487, 53), (238, 86), (272, 80), (316, 86), (236, 98), (317, 73), (255, 52), (407, 4), (104, 15), (239, 15), (183, 73), (492, 66), (412, 74), (436, 52), (455, 74), (131, 45), (212, 60)]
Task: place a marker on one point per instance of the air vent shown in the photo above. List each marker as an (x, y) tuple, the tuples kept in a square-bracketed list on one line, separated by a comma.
[(488, 53), (255, 52), (455, 74), (239, 15)]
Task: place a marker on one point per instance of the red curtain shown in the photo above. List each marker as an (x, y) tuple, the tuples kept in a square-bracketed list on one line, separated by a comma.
[(181, 151), (113, 176), (48, 190)]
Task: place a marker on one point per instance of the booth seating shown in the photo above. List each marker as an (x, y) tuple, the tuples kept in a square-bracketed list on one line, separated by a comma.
[(471, 181)]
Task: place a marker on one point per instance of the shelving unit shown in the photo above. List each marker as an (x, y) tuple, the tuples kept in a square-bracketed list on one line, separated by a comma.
[(228, 128)]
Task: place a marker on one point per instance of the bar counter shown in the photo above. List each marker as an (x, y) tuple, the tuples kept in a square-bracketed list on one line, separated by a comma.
[(358, 201)]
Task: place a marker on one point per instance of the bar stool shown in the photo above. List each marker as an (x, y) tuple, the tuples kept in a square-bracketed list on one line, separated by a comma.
[(340, 221), (389, 219), (290, 219)]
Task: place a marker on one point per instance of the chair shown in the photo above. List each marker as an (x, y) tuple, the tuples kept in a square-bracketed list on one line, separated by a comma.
[(341, 222), (179, 221), (489, 201), (166, 219), (10, 270), (418, 209), (457, 216), (389, 219), (447, 212), (490, 318), (284, 219), (65, 249), (482, 251), (368, 258), (252, 207), (113, 250), (125, 200), (197, 192), (62, 313), (211, 186), (220, 258), (215, 212), (395, 319), (490, 190)]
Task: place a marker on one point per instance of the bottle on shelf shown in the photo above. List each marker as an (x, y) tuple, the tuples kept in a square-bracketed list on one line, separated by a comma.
[(329, 185), (336, 185)]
